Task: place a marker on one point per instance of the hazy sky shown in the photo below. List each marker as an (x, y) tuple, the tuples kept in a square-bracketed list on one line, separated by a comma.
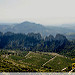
[(40, 11)]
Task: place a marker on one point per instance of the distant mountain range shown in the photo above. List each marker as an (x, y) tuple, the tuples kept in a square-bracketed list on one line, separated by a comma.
[(28, 27)]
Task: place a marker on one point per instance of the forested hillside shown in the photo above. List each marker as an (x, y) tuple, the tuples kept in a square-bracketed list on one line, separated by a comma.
[(35, 42)]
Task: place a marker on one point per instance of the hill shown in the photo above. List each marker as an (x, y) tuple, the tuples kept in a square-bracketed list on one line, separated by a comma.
[(22, 61), (35, 42), (28, 27), (32, 42)]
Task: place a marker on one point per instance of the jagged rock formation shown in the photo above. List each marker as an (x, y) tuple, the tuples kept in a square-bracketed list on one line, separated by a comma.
[(50, 38), (32, 41), (36, 35)]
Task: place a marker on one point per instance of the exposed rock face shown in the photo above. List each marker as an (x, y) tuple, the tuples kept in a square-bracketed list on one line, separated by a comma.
[(36, 36), (33, 41), (60, 41), (57, 43), (49, 38), (60, 37)]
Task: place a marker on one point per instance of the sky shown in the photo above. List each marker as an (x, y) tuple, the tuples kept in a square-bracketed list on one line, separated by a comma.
[(46, 12)]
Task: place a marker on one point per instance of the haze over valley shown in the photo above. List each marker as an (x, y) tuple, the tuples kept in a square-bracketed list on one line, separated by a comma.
[(29, 27)]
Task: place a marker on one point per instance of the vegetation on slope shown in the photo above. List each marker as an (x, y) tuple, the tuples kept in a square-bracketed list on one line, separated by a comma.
[(59, 63), (33, 61)]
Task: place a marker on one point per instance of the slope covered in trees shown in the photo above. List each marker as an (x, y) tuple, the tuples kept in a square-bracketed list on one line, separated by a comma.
[(33, 53), (35, 42), (23, 61)]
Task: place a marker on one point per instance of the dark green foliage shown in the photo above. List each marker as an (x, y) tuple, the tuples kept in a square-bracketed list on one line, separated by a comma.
[(34, 42), (15, 47), (69, 49)]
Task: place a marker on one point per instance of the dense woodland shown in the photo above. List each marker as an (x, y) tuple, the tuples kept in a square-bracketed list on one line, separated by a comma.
[(35, 42), (33, 53)]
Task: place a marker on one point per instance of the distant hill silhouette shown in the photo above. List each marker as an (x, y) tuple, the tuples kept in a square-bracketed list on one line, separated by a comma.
[(28, 27)]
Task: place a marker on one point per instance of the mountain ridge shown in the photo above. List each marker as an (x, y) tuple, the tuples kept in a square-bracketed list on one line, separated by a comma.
[(28, 27)]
